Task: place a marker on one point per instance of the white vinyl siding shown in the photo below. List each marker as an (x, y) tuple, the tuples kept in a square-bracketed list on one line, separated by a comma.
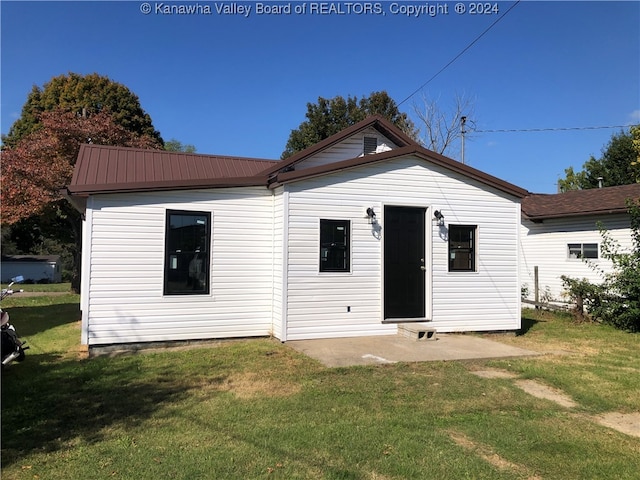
[(350, 148), (484, 300), (125, 300), (545, 245)]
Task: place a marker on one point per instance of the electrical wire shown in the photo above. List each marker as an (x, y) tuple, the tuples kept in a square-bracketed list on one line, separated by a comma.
[(557, 129), (461, 53)]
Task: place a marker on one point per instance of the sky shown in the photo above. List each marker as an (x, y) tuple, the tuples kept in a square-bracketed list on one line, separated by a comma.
[(232, 83)]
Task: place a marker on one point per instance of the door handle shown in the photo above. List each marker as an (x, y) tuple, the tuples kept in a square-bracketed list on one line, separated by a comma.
[(423, 268)]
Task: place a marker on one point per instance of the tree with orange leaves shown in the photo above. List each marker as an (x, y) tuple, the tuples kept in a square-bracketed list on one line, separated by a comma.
[(41, 163)]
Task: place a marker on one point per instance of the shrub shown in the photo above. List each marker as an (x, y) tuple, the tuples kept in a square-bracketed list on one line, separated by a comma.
[(617, 300)]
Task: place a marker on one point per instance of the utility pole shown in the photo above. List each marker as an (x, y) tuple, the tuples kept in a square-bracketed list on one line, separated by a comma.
[(463, 121)]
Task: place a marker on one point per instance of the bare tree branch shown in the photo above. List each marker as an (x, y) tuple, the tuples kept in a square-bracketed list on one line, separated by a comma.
[(441, 129)]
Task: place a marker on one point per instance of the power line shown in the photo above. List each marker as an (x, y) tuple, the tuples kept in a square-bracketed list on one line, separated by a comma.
[(556, 129), (460, 54)]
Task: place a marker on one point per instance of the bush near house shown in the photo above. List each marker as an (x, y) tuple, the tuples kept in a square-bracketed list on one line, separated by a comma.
[(617, 300)]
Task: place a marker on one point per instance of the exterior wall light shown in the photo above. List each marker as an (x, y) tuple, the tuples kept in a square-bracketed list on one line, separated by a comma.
[(439, 217), (372, 215)]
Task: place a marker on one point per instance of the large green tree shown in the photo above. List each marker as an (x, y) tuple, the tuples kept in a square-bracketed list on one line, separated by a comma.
[(618, 165), (331, 115), (84, 95)]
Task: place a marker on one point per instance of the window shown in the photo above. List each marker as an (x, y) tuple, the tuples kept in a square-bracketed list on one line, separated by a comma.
[(187, 240), (370, 145), (582, 250), (462, 248), (334, 245)]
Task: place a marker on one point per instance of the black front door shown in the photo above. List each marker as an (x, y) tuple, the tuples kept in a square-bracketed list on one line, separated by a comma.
[(404, 262)]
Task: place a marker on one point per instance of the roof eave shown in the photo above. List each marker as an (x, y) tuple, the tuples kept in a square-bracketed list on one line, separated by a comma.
[(84, 190), (541, 218), (377, 121)]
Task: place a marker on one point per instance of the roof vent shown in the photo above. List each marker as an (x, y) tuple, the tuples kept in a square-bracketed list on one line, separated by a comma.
[(600, 182), (370, 145)]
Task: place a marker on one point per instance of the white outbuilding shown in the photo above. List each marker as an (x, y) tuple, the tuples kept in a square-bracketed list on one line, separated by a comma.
[(351, 237)]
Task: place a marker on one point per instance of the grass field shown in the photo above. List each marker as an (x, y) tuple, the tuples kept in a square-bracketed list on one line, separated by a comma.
[(257, 409)]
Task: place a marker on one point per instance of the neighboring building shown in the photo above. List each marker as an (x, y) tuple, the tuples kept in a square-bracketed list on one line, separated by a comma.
[(34, 268), (560, 231), (350, 237)]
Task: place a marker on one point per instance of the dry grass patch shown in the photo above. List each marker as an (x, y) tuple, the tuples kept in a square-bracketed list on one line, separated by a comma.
[(249, 385), (488, 455)]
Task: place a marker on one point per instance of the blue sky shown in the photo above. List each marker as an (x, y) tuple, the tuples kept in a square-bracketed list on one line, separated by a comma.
[(236, 85)]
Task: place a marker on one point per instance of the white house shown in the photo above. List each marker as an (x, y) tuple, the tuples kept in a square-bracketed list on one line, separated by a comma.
[(560, 235), (34, 268), (350, 237)]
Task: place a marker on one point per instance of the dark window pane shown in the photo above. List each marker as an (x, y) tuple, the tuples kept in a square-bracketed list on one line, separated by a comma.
[(188, 237), (334, 246), (462, 248), (590, 250), (575, 250)]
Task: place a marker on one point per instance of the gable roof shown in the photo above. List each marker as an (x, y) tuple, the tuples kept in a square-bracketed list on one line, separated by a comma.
[(412, 150), (104, 169), (607, 200), (378, 122)]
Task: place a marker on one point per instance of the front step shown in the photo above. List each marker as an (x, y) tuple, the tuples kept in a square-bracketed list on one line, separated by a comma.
[(417, 331)]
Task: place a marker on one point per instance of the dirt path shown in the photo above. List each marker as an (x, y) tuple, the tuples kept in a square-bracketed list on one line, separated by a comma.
[(627, 423)]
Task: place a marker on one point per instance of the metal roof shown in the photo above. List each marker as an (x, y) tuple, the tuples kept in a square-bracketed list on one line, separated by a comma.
[(605, 200), (104, 169)]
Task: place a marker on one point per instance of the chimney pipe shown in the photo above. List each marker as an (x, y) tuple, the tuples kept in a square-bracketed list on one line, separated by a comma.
[(600, 182)]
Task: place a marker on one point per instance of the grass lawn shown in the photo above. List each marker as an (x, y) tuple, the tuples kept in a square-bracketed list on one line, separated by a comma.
[(256, 409)]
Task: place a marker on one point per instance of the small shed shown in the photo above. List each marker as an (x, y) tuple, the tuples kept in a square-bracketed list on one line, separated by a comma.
[(354, 236), (34, 268)]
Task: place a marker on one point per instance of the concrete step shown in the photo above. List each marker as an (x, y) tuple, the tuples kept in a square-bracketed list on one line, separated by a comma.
[(419, 331)]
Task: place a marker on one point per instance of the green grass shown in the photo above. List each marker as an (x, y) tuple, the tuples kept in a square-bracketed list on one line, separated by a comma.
[(41, 287), (257, 409)]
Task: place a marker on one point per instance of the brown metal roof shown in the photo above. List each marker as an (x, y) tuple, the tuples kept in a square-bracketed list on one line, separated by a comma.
[(579, 202), (378, 122), (103, 169), (413, 150)]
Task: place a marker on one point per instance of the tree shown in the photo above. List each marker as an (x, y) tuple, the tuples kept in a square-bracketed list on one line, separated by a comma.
[(635, 135), (329, 116), (174, 145), (84, 95), (443, 128), (618, 165), (41, 164), (616, 300)]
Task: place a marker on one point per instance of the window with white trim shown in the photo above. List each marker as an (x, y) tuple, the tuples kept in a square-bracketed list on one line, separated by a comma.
[(582, 250), (335, 245), (462, 248), (187, 240)]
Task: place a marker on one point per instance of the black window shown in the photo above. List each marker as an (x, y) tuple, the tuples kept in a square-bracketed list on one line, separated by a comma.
[(187, 240), (334, 245), (582, 250), (462, 248)]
